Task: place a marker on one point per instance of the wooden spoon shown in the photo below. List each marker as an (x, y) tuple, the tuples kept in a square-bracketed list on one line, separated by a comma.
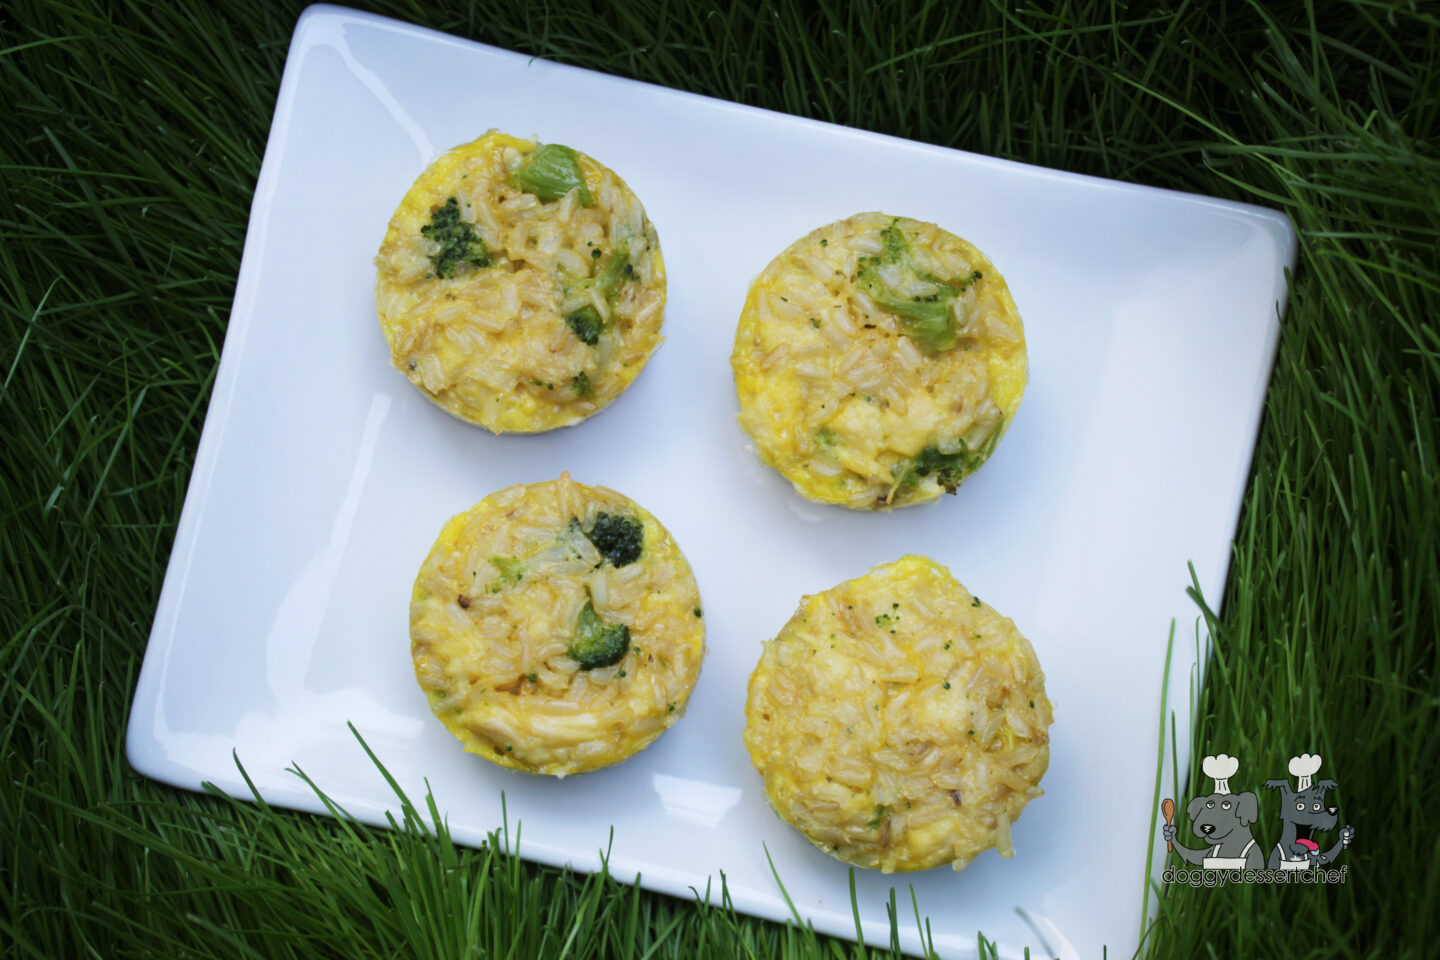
[(1167, 809)]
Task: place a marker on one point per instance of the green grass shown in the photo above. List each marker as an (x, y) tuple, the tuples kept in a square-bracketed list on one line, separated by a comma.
[(129, 149)]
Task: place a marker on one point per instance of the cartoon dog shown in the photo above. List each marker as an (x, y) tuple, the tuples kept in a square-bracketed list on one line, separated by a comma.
[(1303, 814), (1223, 819)]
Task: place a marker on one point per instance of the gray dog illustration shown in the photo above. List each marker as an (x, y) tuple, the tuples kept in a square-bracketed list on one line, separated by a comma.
[(1223, 820), (1303, 815)]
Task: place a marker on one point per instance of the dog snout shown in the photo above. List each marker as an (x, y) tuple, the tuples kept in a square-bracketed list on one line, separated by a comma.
[(1207, 828), (1331, 810)]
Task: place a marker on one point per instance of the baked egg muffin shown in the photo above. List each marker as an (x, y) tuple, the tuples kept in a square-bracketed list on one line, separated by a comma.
[(878, 361), (556, 628), (898, 721), (520, 285)]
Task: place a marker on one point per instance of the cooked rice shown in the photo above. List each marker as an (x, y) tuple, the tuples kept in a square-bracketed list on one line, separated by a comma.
[(491, 650), (491, 345), (898, 722), (835, 394)]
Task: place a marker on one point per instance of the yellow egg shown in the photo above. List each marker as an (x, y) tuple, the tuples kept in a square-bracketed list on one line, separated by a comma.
[(520, 285), (899, 722), (556, 628), (878, 361)]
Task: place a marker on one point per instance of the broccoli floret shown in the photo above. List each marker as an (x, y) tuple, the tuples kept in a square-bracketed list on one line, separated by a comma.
[(511, 571), (927, 318), (580, 383), (586, 321), (598, 643), (586, 324), (551, 172), (619, 539), (457, 240), (950, 469)]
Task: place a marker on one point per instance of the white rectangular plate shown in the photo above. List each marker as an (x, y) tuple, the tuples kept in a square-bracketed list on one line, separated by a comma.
[(323, 476)]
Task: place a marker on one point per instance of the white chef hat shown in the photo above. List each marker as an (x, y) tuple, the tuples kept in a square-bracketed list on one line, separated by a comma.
[(1304, 767), (1222, 768)]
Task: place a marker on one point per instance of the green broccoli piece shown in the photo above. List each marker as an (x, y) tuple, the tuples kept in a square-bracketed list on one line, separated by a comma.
[(585, 321), (619, 539), (551, 172), (511, 571), (572, 538), (950, 469), (457, 240), (580, 383), (586, 324), (928, 319), (598, 643), (616, 270)]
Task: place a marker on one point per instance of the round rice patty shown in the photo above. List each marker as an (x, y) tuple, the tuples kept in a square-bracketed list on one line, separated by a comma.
[(898, 722), (496, 345), (878, 361), (498, 606)]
